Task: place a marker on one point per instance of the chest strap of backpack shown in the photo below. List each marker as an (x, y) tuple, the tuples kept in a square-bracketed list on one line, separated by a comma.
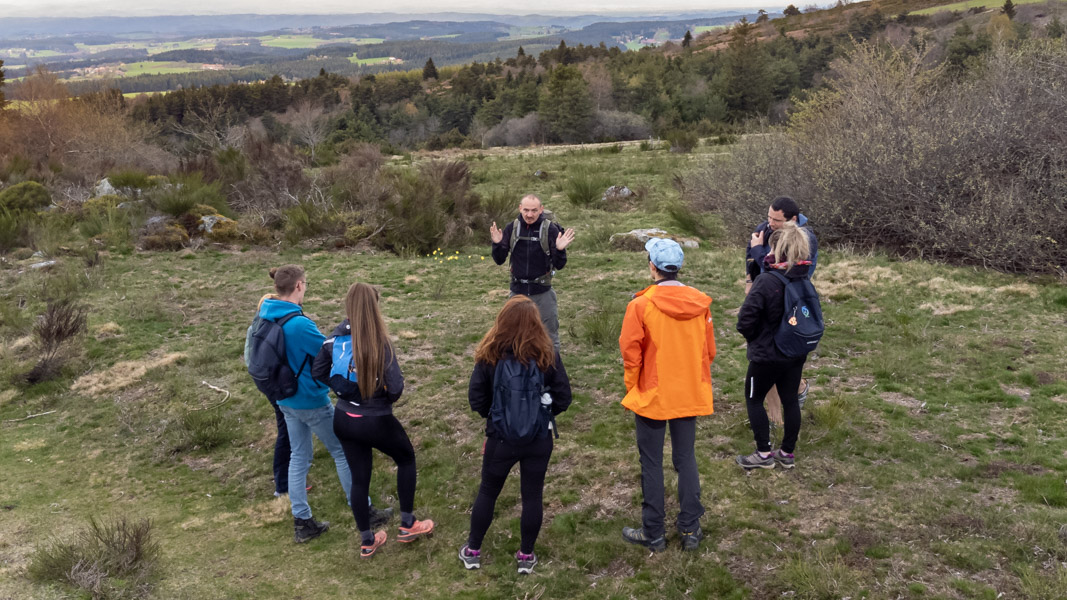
[(542, 240)]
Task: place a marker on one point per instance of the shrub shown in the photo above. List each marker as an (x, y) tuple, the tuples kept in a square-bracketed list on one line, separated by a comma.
[(131, 179), (101, 204), (682, 140), (610, 126), (11, 227), (164, 235), (113, 559), (224, 232), (522, 131), (602, 324), (28, 196), (207, 430), (585, 187), (966, 171), (646, 146), (188, 192)]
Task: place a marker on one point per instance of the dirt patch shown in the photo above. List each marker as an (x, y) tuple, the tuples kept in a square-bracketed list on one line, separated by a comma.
[(996, 468), (956, 524), (411, 279), (941, 308), (25, 445), (123, 374), (1018, 392), (7, 396), (901, 400)]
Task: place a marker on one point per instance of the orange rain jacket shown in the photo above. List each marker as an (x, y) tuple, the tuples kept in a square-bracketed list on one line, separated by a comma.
[(668, 344)]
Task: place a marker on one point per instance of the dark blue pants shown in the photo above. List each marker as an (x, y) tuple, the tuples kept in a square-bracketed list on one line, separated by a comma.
[(281, 453), (651, 434)]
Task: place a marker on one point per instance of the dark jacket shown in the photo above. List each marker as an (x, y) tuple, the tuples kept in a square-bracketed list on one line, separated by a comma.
[(480, 392), (761, 314), (528, 261), (348, 397), (754, 264)]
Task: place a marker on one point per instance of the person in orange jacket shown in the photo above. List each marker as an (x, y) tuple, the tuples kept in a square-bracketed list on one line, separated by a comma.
[(668, 344)]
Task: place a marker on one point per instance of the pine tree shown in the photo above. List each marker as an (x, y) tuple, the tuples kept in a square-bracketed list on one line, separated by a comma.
[(429, 71), (791, 11), (1008, 9), (566, 105), (762, 16), (688, 39)]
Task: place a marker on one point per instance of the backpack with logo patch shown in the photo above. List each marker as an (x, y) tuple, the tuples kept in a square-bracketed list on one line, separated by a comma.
[(802, 323), (266, 359), (517, 413)]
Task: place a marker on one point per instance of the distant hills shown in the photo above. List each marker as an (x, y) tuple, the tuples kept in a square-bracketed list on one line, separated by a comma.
[(17, 27)]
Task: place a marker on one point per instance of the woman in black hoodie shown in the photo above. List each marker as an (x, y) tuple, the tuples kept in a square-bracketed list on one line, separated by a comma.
[(359, 364), (758, 321)]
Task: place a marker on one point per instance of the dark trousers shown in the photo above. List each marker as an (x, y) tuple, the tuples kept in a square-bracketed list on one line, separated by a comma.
[(758, 381), (650, 437), (281, 453), (497, 460), (360, 434)]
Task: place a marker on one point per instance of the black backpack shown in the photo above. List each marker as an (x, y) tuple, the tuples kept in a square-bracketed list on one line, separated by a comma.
[(802, 324), (517, 414), (266, 360)]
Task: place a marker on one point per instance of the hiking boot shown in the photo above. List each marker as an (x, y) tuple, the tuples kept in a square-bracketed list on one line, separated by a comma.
[(308, 529), (691, 539), (367, 550), (526, 562), (472, 559), (784, 459), (639, 537), (379, 517), (755, 461), (415, 531)]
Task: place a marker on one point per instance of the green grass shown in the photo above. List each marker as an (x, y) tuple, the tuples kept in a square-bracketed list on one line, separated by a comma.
[(699, 29), (967, 5), (927, 466), (306, 41)]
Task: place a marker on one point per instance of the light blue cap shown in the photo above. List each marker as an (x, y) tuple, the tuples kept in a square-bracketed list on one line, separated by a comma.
[(666, 254)]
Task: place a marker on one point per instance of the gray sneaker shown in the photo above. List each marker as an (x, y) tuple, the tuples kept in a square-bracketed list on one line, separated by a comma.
[(526, 562), (755, 461), (472, 559), (308, 529), (691, 539), (784, 460), (640, 538), (379, 517)]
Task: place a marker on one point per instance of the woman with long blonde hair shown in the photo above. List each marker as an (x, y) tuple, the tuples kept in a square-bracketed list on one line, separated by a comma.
[(359, 363), (517, 347), (758, 320)]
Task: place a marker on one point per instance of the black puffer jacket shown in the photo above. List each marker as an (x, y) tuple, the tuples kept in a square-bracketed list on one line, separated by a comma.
[(528, 261), (480, 392), (761, 313), (348, 397)]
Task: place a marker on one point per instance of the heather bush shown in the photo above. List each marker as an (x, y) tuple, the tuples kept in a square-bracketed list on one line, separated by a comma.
[(28, 195), (894, 154)]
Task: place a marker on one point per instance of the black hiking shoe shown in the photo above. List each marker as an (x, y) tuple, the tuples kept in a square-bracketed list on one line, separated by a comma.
[(379, 517), (691, 539), (784, 459), (308, 529), (640, 538)]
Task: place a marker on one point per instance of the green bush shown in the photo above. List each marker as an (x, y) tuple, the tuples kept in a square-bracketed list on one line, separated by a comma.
[(131, 179), (164, 236), (188, 192), (111, 559), (207, 430), (682, 140), (585, 187), (11, 228), (101, 204), (28, 196)]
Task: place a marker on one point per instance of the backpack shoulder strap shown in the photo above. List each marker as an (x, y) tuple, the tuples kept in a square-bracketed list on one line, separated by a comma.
[(782, 278), (514, 235), (281, 323), (546, 229)]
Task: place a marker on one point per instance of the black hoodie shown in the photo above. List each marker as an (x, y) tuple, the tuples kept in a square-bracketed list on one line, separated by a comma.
[(528, 261), (348, 397)]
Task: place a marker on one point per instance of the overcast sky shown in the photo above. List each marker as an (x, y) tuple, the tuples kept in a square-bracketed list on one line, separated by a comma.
[(148, 8)]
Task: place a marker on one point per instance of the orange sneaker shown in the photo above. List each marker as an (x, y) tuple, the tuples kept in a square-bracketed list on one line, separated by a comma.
[(418, 529), (379, 540)]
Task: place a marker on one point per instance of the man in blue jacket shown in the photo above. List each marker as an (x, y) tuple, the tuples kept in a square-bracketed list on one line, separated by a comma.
[(781, 210)]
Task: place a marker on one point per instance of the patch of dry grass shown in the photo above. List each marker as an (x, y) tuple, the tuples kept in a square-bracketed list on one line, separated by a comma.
[(123, 374)]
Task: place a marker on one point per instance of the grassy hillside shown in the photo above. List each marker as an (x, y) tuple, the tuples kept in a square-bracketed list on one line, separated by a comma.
[(929, 463)]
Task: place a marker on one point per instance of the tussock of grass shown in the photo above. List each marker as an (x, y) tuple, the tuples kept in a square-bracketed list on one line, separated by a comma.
[(123, 374)]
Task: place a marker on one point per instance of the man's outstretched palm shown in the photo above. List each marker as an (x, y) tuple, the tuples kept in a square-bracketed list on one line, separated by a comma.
[(564, 239)]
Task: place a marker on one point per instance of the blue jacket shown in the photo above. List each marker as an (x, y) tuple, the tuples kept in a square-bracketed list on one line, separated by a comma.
[(302, 342), (754, 256)]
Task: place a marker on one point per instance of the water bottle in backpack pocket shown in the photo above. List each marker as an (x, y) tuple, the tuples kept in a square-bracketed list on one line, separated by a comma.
[(802, 324)]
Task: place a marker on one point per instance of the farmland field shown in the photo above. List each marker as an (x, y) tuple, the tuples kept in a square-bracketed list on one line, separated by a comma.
[(969, 4), (302, 41)]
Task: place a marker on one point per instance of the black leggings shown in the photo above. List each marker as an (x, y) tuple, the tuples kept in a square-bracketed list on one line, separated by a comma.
[(758, 381), (358, 435), (497, 461)]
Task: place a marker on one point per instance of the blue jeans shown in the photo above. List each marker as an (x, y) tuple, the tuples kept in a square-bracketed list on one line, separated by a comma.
[(301, 424)]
